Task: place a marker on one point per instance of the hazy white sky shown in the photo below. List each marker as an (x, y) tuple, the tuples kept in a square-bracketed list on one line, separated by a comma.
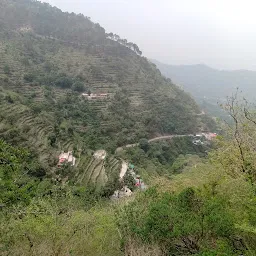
[(219, 33)]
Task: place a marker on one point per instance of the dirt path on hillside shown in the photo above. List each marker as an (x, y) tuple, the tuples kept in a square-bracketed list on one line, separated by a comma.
[(201, 114), (168, 137), (123, 169)]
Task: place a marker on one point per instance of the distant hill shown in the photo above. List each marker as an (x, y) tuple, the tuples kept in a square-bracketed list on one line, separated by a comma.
[(212, 84)]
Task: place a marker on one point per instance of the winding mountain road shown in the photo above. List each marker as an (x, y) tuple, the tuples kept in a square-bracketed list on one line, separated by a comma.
[(167, 137)]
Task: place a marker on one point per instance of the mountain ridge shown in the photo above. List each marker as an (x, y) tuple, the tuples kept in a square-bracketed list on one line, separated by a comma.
[(202, 81), (206, 66)]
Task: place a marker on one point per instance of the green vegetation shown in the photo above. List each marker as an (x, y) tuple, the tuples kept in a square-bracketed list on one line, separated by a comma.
[(210, 86), (47, 65), (183, 223), (200, 200), (165, 157), (124, 42), (206, 209), (19, 175), (191, 222), (201, 211)]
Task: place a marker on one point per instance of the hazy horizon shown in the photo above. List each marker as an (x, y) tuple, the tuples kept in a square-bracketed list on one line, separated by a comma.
[(216, 33)]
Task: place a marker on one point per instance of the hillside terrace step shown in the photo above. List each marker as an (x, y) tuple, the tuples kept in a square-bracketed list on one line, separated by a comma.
[(14, 111), (26, 120), (86, 170), (96, 173), (91, 170), (101, 179)]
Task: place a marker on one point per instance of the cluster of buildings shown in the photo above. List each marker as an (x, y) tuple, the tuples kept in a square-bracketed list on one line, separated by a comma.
[(209, 135), (199, 138), (94, 96), (66, 158), (125, 191), (139, 183)]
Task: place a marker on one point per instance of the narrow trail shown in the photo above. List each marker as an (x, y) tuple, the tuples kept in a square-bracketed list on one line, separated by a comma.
[(123, 169), (201, 114), (169, 137)]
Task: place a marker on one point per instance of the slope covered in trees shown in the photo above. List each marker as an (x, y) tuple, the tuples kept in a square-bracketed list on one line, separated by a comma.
[(48, 58), (207, 209), (194, 206)]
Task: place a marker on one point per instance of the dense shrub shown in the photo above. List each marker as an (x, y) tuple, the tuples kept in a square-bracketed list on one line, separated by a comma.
[(30, 77), (78, 87), (182, 224), (64, 82), (7, 70), (9, 99)]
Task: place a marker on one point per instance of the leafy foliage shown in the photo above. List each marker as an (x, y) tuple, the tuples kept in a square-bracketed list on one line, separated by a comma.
[(124, 42), (48, 58), (19, 174), (166, 157), (236, 151), (129, 181), (182, 224)]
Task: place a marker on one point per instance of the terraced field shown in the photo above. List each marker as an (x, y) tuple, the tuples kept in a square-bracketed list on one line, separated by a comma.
[(109, 69), (114, 166), (88, 170), (38, 128), (32, 129), (95, 171)]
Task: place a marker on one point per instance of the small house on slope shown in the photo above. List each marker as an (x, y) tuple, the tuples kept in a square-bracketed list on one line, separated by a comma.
[(66, 158), (210, 135), (93, 96)]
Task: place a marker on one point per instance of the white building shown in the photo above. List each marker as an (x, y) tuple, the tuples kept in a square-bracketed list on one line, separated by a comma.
[(66, 158)]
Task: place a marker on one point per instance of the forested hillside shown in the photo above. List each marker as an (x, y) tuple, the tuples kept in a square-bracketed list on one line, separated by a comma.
[(71, 95), (49, 58)]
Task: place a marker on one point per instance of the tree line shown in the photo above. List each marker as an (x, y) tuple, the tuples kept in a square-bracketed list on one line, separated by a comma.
[(134, 47)]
